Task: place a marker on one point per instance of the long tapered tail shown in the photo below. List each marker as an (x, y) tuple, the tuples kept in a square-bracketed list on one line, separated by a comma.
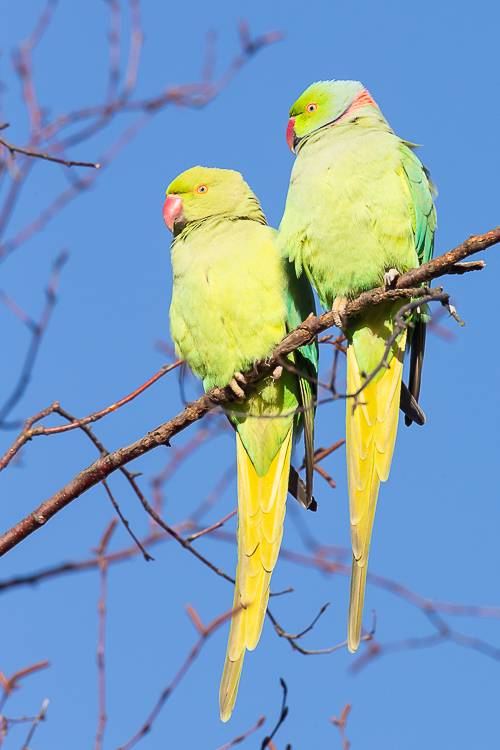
[(371, 434), (261, 511)]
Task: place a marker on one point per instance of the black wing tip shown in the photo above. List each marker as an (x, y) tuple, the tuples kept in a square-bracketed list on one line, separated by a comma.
[(298, 490), (409, 406)]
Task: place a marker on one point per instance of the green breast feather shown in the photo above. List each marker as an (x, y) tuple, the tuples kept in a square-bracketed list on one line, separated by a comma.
[(225, 314)]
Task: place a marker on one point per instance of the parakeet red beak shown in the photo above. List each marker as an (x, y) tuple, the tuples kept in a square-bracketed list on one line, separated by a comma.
[(291, 138), (172, 210)]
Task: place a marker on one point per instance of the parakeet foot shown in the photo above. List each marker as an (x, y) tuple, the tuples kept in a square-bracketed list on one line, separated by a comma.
[(391, 276), (277, 373), (240, 378), (236, 388), (338, 310)]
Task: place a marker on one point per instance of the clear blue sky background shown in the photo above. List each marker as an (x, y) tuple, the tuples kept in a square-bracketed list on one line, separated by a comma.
[(434, 70)]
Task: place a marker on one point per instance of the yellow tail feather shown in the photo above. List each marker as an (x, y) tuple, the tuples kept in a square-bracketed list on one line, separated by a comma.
[(370, 438), (357, 595), (261, 511)]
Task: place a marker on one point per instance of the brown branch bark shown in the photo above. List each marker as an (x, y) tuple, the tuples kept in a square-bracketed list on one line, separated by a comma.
[(196, 410), (340, 724), (101, 607), (205, 633), (38, 330), (28, 152), (30, 432), (51, 135), (243, 736)]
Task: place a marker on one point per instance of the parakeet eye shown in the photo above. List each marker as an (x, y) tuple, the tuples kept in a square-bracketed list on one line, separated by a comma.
[(311, 107), (202, 189)]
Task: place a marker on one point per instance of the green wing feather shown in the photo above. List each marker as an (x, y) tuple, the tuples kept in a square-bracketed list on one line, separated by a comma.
[(300, 303), (422, 190), (423, 213)]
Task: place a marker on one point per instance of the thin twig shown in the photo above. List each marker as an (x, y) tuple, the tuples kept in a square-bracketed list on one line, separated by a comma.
[(27, 152), (325, 475), (178, 537), (217, 525), (38, 719), (103, 568), (317, 652), (321, 453), (206, 632), (38, 331), (145, 554), (194, 95), (30, 432), (243, 736), (341, 723), (266, 742), (443, 633)]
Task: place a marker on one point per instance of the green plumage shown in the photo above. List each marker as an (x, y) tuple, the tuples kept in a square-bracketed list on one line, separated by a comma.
[(234, 298), (359, 204), (356, 193)]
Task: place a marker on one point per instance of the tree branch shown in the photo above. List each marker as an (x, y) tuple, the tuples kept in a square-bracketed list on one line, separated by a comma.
[(30, 432), (205, 633), (303, 334), (37, 331), (28, 152)]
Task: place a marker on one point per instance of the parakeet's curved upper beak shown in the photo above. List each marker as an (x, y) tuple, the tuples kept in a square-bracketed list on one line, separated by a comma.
[(172, 212), (291, 138)]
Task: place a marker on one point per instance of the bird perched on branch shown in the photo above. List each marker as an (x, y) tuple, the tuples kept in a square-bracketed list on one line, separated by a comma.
[(234, 299), (359, 212)]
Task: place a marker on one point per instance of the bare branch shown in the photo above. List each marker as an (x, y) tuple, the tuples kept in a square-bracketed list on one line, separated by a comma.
[(28, 152), (10, 684), (124, 521), (177, 537), (340, 724), (206, 632), (243, 736), (325, 475), (194, 95), (284, 713), (103, 568), (38, 719), (217, 525), (30, 432), (443, 633), (321, 453), (317, 652), (37, 334), (194, 411)]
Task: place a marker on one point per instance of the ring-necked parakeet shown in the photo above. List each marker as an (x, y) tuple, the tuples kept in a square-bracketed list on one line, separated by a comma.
[(359, 209), (234, 298)]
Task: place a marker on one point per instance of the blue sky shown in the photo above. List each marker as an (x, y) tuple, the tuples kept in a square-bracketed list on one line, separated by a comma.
[(434, 70)]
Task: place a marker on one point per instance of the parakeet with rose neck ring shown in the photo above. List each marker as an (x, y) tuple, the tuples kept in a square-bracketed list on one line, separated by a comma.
[(360, 211)]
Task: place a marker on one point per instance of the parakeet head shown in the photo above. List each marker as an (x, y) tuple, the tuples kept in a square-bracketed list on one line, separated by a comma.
[(201, 192), (324, 103)]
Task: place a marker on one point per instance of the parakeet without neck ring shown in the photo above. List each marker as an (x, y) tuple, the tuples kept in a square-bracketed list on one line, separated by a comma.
[(234, 298)]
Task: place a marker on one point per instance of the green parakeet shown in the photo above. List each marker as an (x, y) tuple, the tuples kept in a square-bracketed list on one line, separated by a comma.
[(234, 298), (359, 210)]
